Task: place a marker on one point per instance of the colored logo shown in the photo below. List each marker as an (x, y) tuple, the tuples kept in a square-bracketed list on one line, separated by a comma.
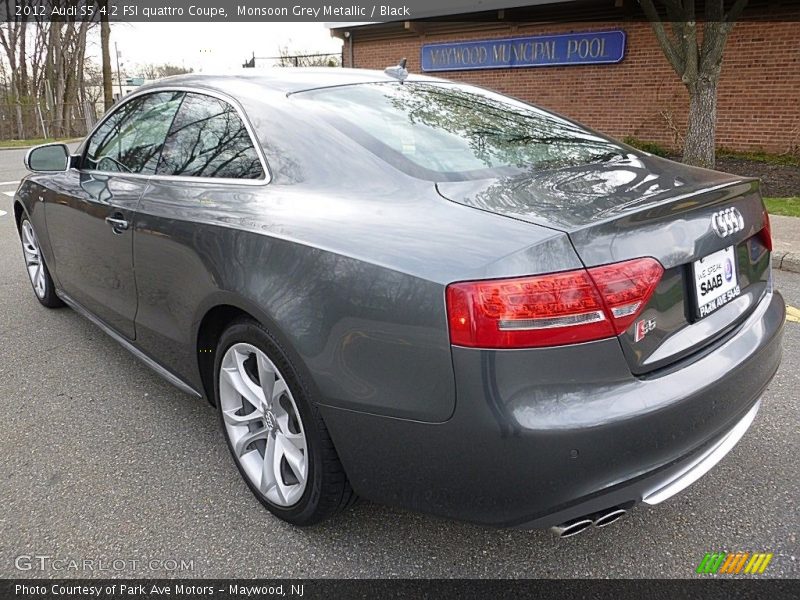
[(643, 327), (728, 269), (735, 563)]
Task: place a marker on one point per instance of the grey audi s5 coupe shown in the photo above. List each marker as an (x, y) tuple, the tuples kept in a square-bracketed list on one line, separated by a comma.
[(415, 291)]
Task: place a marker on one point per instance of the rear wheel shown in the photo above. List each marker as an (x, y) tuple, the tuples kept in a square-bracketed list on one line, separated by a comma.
[(39, 275), (274, 431)]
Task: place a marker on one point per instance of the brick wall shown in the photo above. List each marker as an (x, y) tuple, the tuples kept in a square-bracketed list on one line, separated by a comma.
[(759, 92)]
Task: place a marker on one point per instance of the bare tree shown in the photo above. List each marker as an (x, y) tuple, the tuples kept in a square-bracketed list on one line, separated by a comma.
[(698, 62), (105, 41), (93, 83), (153, 71), (168, 70), (148, 71), (306, 59), (44, 86), (9, 36)]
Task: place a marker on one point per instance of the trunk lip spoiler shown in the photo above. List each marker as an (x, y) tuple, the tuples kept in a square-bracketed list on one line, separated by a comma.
[(644, 202)]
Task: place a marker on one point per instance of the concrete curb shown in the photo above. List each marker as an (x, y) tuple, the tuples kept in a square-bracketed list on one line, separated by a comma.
[(787, 261)]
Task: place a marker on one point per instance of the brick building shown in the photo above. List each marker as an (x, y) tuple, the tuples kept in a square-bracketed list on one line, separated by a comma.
[(639, 96)]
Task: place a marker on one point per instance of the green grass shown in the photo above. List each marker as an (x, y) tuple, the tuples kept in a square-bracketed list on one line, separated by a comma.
[(33, 142), (789, 207)]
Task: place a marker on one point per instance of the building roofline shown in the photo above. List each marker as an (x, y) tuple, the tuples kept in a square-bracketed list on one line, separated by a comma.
[(350, 25)]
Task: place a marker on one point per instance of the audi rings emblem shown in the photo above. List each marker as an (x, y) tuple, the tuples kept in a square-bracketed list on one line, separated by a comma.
[(727, 222)]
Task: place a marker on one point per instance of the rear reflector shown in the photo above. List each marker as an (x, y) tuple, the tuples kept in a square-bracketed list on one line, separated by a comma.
[(551, 310)]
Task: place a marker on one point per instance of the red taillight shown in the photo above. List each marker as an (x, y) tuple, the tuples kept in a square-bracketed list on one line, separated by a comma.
[(766, 233), (551, 310), (626, 287)]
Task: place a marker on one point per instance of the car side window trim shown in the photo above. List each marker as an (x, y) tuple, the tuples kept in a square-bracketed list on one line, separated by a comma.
[(188, 178)]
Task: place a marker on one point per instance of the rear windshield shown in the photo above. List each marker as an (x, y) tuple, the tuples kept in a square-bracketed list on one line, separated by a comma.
[(455, 132)]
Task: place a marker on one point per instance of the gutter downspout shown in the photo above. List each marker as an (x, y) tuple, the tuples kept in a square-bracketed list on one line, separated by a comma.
[(350, 45)]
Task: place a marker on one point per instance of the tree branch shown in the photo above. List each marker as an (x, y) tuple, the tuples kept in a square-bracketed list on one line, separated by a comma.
[(690, 44), (715, 36), (674, 53), (734, 13)]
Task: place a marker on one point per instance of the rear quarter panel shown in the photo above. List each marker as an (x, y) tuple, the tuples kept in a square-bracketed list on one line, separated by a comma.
[(353, 284), (332, 310)]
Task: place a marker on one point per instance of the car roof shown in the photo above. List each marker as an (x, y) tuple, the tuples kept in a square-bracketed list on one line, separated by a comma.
[(286, 80)]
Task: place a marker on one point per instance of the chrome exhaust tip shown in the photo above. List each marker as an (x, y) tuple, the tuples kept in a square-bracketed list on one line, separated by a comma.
[(573, 527), (607, 518)]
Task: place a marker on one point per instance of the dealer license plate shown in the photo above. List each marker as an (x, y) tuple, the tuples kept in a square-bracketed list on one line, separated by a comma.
[(715, 281)]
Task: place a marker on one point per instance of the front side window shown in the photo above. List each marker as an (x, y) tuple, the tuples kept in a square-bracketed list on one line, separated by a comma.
[(208, 139), (451, 132), (131, 139)]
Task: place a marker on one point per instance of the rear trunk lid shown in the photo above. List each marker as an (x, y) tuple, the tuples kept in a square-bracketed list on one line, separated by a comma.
[(702, 226)]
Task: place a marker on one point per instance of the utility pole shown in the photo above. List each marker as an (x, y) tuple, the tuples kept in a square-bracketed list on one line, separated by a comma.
[(119, 73)]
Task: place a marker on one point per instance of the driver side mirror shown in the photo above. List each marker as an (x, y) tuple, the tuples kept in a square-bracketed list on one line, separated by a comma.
[(50, 158)]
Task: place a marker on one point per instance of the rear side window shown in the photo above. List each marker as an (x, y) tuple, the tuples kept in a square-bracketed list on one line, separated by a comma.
[(454, 132), (208, 139), (131, 139)]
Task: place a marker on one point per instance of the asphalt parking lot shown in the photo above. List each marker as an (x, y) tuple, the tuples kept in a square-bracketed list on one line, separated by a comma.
[(104, 460)]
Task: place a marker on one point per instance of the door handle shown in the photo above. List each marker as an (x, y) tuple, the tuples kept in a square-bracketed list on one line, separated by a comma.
[(118, 224)]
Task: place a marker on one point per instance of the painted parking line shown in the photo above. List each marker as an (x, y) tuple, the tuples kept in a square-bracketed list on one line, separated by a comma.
[(3, 213), (792, 314), (10, 194), (15, 182)]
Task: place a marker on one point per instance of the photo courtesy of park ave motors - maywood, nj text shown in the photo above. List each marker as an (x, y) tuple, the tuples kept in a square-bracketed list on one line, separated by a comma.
[(435, 298)]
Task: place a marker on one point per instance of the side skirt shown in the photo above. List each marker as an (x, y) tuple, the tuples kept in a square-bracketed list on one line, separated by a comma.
[(159, 370)]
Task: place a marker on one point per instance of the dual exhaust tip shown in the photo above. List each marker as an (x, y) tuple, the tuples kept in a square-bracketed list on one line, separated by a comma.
[(581, 524)]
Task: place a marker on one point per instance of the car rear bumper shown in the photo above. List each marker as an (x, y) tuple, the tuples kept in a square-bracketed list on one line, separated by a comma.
[(542, 436), (693, 469), (656, 487)]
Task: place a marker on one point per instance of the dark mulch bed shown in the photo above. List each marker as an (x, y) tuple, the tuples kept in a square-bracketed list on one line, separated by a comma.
[(777, 181)]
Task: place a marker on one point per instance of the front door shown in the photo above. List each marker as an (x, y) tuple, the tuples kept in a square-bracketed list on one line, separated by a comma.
[(91, 211)]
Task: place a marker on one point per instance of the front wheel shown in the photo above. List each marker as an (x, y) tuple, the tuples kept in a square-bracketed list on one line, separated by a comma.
[(43, 286), (274, 432)]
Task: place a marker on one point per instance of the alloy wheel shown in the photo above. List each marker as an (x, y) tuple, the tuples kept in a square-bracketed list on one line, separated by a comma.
[(33, 259), (263, 424)]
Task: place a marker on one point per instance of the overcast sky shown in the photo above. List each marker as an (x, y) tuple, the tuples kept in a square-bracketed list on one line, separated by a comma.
[(212, 46)]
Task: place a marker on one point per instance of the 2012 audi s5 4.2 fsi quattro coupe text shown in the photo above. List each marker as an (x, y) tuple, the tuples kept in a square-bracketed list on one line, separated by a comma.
[(415, 291)]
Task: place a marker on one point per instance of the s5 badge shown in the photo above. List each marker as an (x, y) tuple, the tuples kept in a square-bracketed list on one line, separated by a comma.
[(642, 328)]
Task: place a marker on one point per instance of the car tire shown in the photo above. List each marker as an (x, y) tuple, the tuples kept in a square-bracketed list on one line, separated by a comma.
[(39, 275), (267, 442)]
